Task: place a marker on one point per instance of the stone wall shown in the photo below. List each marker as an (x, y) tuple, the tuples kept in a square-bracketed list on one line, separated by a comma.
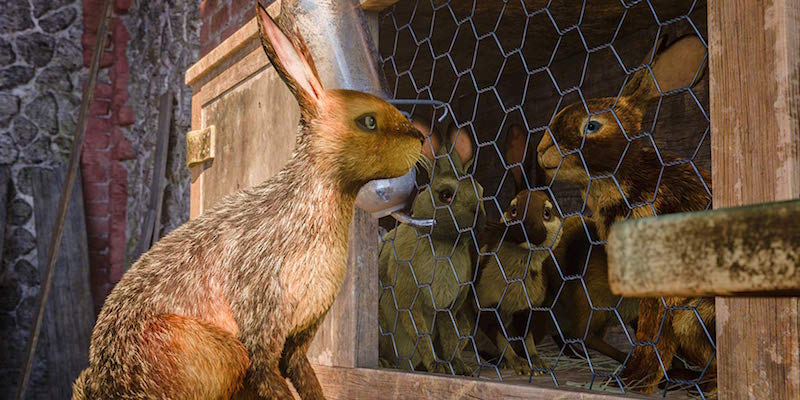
[(45, 50), (40, 84), (165, 46)]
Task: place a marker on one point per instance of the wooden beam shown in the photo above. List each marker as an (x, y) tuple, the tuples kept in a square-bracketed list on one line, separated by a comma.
[(69, 315), (364, 383), (751, 249), (376, 5), (754, 61)]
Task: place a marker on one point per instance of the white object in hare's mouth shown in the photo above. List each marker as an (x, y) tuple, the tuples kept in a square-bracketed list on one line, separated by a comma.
[(383, 197)]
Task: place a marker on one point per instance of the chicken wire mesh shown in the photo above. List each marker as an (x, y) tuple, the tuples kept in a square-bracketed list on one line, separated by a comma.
[(560, 118)]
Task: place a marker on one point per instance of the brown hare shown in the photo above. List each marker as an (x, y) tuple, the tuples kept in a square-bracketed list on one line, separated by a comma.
[(227, 304), (580, 145)]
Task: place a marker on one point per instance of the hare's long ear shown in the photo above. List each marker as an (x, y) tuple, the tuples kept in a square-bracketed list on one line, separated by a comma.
[(292, 60), (677, 66), (432, 141), (461, 140)]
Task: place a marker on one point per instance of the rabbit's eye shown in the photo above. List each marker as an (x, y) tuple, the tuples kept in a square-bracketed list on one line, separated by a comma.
[(446, 196), (547, 214), (513, 211), (592, 127), (367, 122)]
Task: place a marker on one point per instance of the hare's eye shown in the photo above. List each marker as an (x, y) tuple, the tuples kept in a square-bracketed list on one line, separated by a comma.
[(446, 196), (513, 211), (547, 214), (593, 126), (367, 122)]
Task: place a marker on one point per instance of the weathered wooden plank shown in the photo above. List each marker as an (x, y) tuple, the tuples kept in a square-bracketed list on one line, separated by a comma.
[(69, 314), (152, 223), (755, 143), (162, 146), (376, 5), (753, 249), (363, 383)]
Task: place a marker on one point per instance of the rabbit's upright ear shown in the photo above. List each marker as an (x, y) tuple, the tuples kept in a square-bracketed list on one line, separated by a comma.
[(292, 60), (515, 145), (677, 66), (461, 140), (432, 141)]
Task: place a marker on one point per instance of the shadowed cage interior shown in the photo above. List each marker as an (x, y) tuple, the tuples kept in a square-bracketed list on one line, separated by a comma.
[(501, 66)]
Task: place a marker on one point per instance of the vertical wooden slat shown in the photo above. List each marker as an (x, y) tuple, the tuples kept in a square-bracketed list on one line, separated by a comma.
[(69, 315), (196, 190), (754, 60)]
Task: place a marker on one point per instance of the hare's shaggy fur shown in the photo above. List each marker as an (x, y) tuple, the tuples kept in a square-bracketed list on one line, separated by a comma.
[(227, 304)]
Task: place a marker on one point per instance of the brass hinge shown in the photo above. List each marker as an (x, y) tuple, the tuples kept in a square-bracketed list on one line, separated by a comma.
[(200, 146)]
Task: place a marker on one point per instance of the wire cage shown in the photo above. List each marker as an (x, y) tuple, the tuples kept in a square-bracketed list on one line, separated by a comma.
[(562, 118)]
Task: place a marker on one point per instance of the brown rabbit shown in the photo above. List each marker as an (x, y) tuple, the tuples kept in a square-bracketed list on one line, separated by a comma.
[(602, 144), (227, 304)]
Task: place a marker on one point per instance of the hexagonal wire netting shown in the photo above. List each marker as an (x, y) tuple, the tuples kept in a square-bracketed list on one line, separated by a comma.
[(562, 118)]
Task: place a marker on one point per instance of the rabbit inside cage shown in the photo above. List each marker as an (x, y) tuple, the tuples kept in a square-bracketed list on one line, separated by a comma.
[(565, 117)]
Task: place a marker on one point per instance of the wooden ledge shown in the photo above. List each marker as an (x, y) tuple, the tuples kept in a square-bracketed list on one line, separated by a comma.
[(248, 33), (743, 250), (363, 383)]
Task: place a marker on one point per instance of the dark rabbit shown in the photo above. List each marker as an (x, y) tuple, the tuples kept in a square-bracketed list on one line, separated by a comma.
[(602, 144), (227, 304), (544, 284), (510, 279), (577, 317), (429, 267)]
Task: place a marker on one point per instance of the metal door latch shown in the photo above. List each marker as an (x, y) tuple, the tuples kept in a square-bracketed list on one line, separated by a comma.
[(200, 146)]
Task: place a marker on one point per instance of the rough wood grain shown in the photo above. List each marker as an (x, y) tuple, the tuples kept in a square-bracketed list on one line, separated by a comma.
[(69, 315), (753, 249), (247, 119), (755, 121), (152, 224), (363, 383)]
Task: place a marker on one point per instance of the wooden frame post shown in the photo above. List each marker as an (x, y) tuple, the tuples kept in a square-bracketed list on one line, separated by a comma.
[(754, 59)]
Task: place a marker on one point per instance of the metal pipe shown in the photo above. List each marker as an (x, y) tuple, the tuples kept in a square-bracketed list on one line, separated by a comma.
[(338, 37)]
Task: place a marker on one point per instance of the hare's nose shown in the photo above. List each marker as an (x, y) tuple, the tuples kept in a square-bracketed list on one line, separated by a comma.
[(545, 143)]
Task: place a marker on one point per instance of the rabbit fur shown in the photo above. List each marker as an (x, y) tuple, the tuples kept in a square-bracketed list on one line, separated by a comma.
[(226, 305), (601, 142), (429, 268)]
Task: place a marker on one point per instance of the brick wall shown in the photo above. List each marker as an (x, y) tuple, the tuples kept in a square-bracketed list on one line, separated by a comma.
[(105, 179), (223, 17)]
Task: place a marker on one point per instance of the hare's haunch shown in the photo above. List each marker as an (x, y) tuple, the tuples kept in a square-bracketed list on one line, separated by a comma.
[(227, 304)]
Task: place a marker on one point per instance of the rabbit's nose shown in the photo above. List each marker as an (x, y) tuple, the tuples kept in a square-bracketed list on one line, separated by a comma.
[(544, 144), (418, 134)]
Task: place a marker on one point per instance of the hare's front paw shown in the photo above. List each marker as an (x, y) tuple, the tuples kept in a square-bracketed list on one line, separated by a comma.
[(540, 366)]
